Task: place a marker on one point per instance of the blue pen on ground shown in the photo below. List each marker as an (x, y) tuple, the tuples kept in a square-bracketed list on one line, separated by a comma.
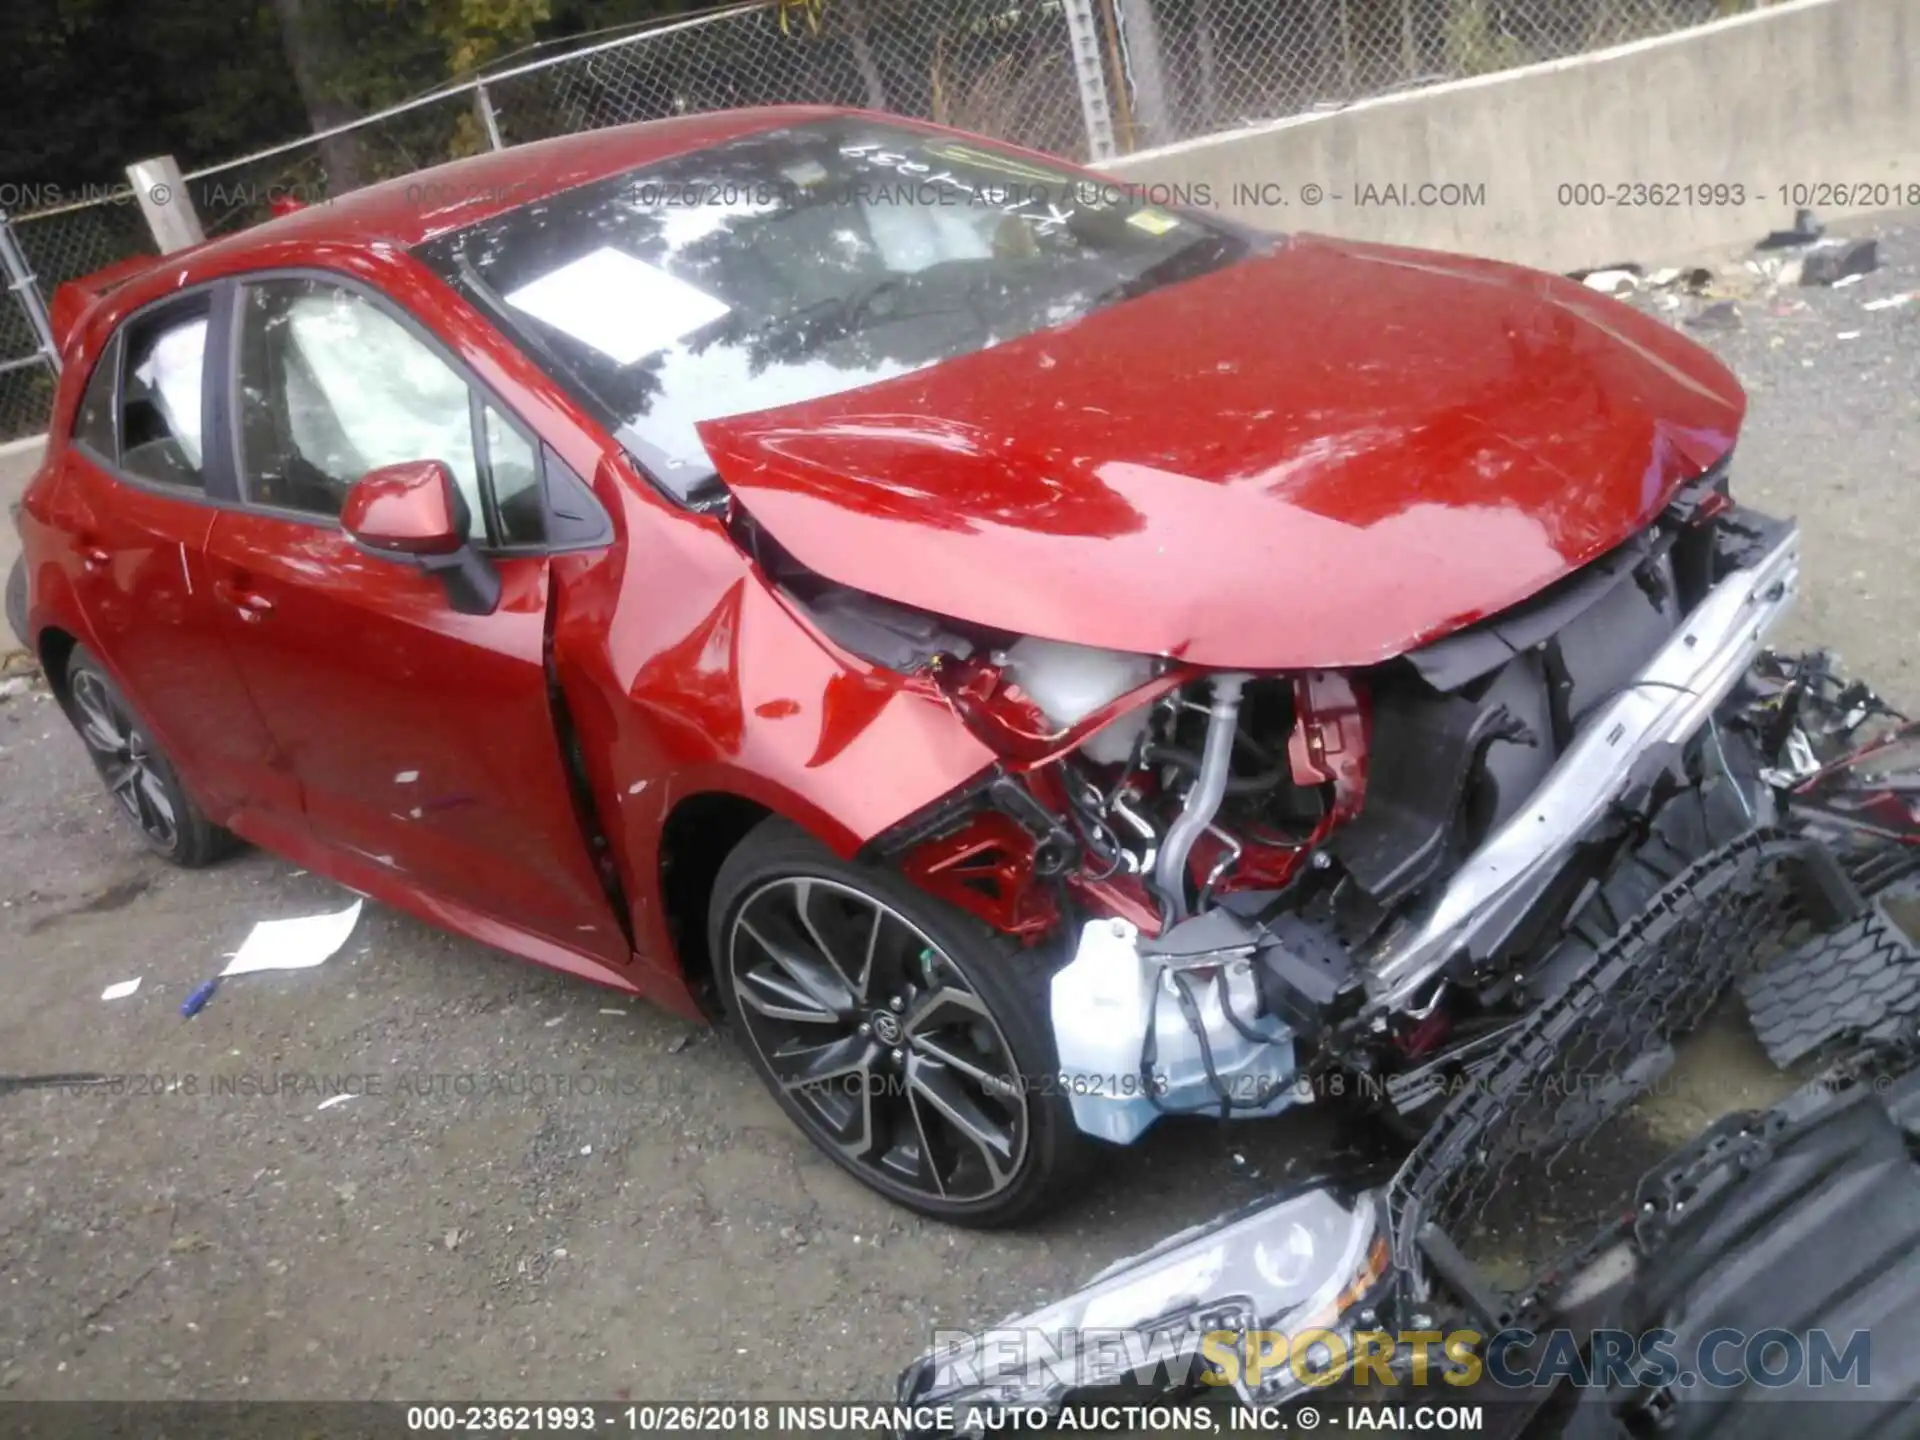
[(193, 1004)]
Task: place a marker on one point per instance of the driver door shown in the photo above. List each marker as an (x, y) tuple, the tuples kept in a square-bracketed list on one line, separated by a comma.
[(423, 739)]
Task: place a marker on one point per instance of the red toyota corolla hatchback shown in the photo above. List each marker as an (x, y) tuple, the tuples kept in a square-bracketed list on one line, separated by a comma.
[(817, 568)]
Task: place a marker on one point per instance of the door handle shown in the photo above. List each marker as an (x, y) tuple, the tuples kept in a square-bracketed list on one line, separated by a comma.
[(251, 606)]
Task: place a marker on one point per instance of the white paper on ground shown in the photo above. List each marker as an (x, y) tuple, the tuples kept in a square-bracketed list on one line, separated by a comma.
[(623, 307), (122, 990), (340, 1099), (294, 944)]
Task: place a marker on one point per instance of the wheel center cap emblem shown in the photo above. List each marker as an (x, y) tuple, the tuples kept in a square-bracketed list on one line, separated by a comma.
[(886, 1027)]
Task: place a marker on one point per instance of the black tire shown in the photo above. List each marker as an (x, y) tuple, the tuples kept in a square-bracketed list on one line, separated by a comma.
[(970, 998), (17, 600), (138, 773)]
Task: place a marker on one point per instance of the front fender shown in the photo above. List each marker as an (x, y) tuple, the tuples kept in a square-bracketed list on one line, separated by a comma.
[(686, 675)]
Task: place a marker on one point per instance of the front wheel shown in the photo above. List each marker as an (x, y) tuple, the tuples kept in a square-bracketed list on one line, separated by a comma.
[(908, 1041)]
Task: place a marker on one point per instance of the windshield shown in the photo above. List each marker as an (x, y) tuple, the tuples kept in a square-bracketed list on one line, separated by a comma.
[(801, 262)]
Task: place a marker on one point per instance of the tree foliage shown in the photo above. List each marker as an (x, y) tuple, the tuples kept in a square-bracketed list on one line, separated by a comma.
[(93, 85)]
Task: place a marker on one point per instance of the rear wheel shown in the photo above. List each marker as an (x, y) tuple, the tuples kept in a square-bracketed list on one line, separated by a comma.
[(138, 774), (906, 1039)]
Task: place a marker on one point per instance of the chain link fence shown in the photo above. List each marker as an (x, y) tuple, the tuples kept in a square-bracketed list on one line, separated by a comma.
[(1085, 79), (55, 246), (1001, 68)]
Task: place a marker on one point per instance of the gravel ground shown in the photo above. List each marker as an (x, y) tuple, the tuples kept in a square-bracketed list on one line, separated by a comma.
[(545, 1190)]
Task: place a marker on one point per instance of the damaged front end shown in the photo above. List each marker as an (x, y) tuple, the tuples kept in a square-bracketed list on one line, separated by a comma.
[(1259, 878), (1545, 1202)]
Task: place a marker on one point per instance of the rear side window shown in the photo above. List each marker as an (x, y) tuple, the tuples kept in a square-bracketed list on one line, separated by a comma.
[(161, 395), (93, 426)]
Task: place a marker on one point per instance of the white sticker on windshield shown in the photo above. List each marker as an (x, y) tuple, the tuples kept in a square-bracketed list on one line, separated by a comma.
[(623, 307)]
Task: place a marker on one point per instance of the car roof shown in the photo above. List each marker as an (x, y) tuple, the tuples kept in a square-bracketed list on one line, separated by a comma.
[(415, 207)]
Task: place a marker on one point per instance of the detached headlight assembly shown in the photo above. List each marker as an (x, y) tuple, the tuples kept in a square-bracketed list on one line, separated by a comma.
[(1296, 1264)]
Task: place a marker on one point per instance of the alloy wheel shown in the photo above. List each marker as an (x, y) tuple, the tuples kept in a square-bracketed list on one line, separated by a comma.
[(878, 1039), (125, 759)]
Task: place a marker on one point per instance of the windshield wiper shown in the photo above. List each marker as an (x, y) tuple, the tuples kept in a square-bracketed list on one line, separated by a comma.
[(1198, 257), (841, 312)]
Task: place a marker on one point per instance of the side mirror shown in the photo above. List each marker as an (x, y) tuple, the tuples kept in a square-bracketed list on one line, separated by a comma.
[(411, 511), (405, 509)]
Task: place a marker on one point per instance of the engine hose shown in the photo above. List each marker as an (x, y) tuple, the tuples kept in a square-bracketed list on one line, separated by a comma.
[(1188, 761), (1203, 799)]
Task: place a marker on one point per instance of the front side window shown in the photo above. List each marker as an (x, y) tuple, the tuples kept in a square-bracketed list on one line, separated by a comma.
[(332, 386), (801, 262), (160, 398), (514, 469)]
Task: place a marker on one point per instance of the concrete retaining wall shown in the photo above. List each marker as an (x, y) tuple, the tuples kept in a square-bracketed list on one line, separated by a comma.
[(18, 461), (1820, 94)]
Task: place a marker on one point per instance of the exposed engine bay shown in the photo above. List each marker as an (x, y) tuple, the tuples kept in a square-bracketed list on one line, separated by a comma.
[(1260, 878)]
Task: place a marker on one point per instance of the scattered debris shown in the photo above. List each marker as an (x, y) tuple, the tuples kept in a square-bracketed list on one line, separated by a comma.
[(680, 1043), (1721, 315), (1847, 280), (1905, 297), (121, 990), (339, 1099), (1806, 229), (197, 1001), (15, 685), (1848, 335), (297, 944), (1611, 282), (1695, 278), (1831, 261)]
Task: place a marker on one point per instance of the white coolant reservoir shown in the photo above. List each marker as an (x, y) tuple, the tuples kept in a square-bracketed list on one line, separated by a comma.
[(1104, 999), (1070, 682)]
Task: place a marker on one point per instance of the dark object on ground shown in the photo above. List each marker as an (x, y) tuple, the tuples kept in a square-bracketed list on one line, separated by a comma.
[(1721, 315), (1806, 229), (1835, 260)]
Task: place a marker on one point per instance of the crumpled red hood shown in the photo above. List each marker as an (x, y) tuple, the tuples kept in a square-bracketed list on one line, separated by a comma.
[(1322, 457)]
